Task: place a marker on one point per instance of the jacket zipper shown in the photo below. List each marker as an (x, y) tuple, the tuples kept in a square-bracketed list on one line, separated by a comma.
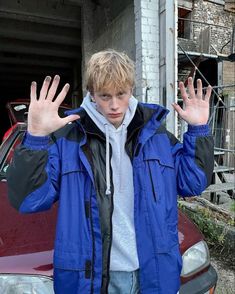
[(93, 249), (152, 184), (111, 239), (93, 243), (89, 215)]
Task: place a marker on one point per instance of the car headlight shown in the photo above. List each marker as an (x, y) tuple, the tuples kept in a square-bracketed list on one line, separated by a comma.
[(25, 284), (195, 259)]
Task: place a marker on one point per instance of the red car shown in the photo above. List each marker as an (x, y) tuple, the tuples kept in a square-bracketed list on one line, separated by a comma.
[(26, 243)]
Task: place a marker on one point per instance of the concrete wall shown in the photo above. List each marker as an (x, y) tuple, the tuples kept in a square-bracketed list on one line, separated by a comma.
[(135, 31), (101, 32), (119, 34)]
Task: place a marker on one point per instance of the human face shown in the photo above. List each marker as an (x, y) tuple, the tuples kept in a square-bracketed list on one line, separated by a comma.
[(113, 104)]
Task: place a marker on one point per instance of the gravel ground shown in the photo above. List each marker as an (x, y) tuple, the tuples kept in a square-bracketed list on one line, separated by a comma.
[(225, 268)]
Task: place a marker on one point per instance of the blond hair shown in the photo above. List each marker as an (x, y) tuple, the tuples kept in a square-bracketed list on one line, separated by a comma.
[(109, 68)]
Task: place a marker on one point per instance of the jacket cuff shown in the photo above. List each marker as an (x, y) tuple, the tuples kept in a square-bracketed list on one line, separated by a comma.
[(201, 130), (36, 142)]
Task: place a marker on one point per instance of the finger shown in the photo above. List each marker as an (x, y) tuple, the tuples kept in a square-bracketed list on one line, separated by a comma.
[(183, 92), (191, 88), (70, 118), (199, 89), (53, 88), (33, 91), (178, 109), (62, 94), (208, 93), (44, 89)]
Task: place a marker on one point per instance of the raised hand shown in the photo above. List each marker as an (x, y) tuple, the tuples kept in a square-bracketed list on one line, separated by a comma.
[(196, 111), (43, 118)]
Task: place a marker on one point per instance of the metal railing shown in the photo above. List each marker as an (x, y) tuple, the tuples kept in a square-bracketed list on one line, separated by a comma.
[(222, 123)]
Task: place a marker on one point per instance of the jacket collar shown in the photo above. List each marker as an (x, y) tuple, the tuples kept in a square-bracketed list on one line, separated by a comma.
[(144, 114)]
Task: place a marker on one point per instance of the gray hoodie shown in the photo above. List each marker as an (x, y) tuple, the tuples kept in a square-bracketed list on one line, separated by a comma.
[(123, 250)]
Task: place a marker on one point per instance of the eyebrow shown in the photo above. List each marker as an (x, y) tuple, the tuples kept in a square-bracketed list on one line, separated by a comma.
[(104, 94)]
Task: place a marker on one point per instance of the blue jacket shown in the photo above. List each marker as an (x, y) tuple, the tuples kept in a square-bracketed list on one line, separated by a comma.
[(69, 166)]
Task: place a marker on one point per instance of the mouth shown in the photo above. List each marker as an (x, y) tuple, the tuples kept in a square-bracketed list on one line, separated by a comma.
[(114, 115)]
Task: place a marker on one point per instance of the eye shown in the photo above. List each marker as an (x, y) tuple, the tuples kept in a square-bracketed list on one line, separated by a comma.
[(104, 96), (121, 94)]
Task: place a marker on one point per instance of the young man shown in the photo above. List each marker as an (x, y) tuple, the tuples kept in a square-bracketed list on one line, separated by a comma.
[(116, 172)]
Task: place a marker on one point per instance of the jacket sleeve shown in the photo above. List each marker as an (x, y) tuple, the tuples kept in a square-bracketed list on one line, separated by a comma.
[(194, 160), (33, 175)]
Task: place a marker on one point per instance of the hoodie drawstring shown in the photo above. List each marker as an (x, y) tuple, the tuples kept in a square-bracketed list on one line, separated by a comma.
[(107, 165), (122, 145)]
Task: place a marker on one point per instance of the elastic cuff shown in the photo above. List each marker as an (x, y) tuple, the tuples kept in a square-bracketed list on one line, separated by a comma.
[(201, 130), (36, 142)]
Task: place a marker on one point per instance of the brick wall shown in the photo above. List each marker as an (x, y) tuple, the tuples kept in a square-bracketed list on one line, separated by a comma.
[(228, 74), (147, 50), (213, 13)]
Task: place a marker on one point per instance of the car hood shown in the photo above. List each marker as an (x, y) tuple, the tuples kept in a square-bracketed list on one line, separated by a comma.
[(26, 241), (33, 263)]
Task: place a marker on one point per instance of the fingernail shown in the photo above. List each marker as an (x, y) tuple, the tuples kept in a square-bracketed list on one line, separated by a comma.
[(33, 83), (48, 78), (57, 77), (67, 86)]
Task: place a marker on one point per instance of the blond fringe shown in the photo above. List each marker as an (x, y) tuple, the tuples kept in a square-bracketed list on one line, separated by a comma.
[(109, 69)]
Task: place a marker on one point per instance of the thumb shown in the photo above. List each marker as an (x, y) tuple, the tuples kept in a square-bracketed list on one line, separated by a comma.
[(70, 118)]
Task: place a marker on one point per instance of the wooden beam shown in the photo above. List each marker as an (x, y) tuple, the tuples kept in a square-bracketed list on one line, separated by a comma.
[(50, 49), (39, 33), (38, 61), (50, 12)]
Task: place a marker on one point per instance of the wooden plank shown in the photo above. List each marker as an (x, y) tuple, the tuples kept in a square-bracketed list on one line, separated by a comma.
[(219, 187), (216, 152), (222, 168)]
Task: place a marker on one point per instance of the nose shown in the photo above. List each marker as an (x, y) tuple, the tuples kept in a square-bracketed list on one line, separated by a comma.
[(114, 103)]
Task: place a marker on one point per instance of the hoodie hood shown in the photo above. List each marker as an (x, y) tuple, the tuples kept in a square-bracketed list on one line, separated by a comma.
[(115, 136), (100, 120)]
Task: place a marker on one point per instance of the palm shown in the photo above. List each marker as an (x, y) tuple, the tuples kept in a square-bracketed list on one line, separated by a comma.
[(43, 117), (196, 110)]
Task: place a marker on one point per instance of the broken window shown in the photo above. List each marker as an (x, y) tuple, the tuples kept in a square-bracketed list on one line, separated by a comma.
[(184, 24)]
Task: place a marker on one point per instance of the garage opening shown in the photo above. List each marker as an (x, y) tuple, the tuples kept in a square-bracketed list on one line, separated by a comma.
[(38, 38)]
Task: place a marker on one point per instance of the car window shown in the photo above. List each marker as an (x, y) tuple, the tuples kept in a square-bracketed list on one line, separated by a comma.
[(9, 153), (19, 112)]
